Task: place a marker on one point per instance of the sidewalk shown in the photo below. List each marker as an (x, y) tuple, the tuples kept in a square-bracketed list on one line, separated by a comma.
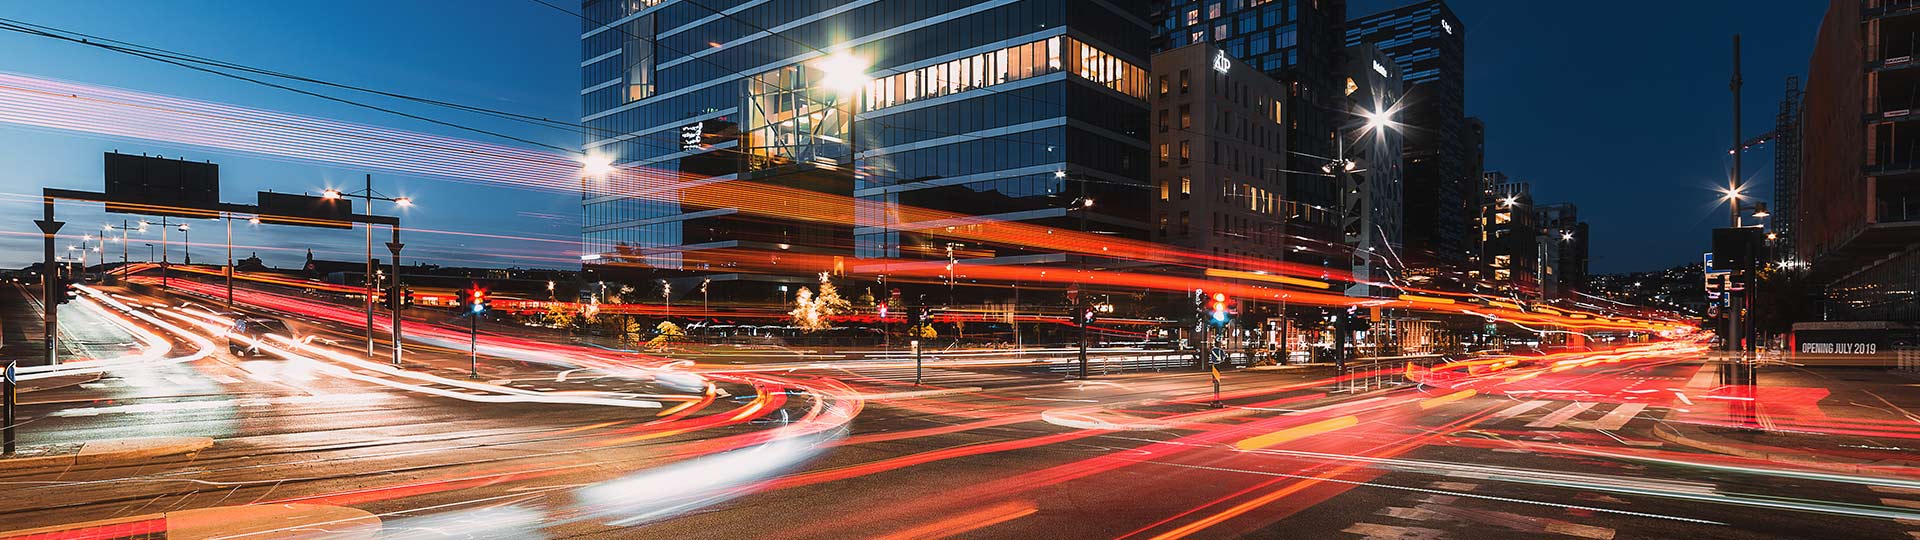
[(101, 452)]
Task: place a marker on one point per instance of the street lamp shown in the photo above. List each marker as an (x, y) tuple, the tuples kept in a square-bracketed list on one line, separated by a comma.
[(368, 195), (186, 244)]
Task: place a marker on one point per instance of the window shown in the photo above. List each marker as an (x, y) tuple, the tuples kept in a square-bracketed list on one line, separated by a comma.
[(1186, 81), (1186, 117), (1186, 153), (1163, 190), (1163, 85), (1163, 120), (1163, 154), (636, 53), (1193, 17), (1213, 10), (1219, 32), (1186, 223), (1186, 188)]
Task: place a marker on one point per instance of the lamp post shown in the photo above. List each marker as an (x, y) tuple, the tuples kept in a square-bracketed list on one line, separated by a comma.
[(368, 195), (124, 229), (186, 244)]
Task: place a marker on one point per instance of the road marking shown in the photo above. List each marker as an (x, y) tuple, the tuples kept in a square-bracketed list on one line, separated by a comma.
[(137, 382), (1561, 415), (1297, 432), (1903, 503), (260, 376), (1619, 416), (182, 381), (1449, 398), (1336, 406), (1704, 378), (1515, 410), (1375, 531), (223, 379)]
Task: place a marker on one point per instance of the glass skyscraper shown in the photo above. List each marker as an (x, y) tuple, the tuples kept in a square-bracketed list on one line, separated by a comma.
[(732, 135)]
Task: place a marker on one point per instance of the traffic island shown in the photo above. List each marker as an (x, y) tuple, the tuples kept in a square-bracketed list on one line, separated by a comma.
[(103, 452), (256, 521)]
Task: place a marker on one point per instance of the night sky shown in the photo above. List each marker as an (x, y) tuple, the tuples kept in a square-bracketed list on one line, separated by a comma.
[(1619, 107)]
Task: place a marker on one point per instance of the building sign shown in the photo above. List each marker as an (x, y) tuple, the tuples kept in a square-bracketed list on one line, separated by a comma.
[(1445, 26), (690, 135), (1839, 348), (1382, 70), (1351, 87), (1221, 63)]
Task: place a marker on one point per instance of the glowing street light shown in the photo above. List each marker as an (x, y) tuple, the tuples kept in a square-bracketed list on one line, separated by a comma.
[(596, 166), (330, 193), (1760, 210), (844, 72), (403, 201)]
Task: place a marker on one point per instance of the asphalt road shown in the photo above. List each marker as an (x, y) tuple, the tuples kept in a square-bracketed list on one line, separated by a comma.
[(986, 447)]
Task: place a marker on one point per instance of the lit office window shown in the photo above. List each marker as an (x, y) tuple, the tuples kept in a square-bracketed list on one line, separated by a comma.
[(1008, 65)]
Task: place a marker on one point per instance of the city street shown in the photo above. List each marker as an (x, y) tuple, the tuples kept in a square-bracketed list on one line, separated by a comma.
[(980, 451)]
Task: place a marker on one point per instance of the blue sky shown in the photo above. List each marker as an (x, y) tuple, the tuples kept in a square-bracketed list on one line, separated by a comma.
[(1619, 107)]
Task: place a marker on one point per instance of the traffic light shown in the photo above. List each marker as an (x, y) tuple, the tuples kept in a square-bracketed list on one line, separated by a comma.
[(1218, 311), (463, 300), (406, 297), (1088, 314), (480, 301), (882, 309)]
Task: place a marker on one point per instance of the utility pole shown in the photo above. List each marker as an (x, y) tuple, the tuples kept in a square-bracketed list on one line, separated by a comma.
[(368, 278), (229, 271), (1735, 300)]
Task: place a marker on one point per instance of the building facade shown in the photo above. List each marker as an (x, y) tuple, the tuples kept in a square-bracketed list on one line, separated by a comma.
[(1371, 201), (752, 135), (1563, 249), (1856, 214), (1219, 134), (1297, 42), (1428, 43), (1510, 238)]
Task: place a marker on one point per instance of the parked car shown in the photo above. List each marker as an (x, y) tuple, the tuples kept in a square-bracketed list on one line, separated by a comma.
[(256, 330)]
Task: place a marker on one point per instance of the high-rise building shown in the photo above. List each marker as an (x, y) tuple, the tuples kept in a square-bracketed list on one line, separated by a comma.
[(1510, 238), (1219, 132), (1857, 217), (1563, 249), (1297, 42), (1370, 203), (1429, 44), (755, 140)]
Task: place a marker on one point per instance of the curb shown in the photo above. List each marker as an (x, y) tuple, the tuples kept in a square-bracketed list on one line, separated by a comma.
[(56, 382), (1721, 445), (257, 521), (113, 450)]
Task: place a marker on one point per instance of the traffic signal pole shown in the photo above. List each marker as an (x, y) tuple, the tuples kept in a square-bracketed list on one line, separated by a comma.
[(397, 300), (1083, 345), (50, 278)]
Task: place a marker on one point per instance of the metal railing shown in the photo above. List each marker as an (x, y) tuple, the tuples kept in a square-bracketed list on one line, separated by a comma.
[(1906, 359), (1367, 374)]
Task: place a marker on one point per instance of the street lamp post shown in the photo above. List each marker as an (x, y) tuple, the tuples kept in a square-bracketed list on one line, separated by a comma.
[(186, 244), (368, 195), (124, 228)]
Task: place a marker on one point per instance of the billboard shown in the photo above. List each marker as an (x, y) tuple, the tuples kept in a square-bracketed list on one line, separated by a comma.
[(161, 187), (305, 210)]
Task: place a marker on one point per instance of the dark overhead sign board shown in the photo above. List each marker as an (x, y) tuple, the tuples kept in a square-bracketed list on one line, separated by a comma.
[(305, 210), (161, 187)]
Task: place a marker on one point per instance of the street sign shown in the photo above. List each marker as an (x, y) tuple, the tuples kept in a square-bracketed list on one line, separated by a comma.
[(13, 372)]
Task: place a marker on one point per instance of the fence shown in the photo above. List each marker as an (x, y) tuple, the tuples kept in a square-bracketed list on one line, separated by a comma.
[(1907, 359), (1365, 374)]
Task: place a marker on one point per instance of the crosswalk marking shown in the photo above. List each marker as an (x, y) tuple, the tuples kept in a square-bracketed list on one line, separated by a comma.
[(223, 379), (262, 377), (1619, 416), (1515, 410), (181, 380), (1561, 415), (136, 382)]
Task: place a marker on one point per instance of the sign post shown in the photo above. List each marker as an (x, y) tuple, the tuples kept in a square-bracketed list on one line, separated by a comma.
[(12, 380), (916, 362)]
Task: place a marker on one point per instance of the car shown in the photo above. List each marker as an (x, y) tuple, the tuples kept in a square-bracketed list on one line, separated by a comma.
[(256, 330)]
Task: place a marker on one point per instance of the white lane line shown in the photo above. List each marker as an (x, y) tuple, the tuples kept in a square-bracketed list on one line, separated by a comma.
[(1515, 410), (1619, 416), (1561, 415)]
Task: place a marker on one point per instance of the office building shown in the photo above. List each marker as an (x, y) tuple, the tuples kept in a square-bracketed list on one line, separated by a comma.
[(1857, 218), (1563, 249), (744, 138), (1370, 203), (1219, 135), (1428, 43), (1297, 42), (1509, 243)]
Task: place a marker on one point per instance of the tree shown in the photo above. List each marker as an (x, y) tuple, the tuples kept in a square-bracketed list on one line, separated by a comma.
[(815, 312), (664, 333), (924, 331)]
